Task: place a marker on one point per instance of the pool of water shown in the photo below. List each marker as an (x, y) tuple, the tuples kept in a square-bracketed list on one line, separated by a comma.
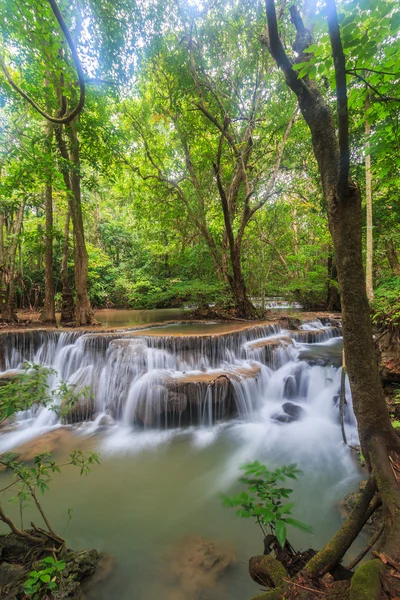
[(154, 488)]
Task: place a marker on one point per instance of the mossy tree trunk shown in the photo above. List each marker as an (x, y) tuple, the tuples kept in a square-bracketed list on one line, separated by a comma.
[(331, 148)]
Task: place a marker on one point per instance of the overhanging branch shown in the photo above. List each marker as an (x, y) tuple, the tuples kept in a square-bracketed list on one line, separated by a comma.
[(78, 108)]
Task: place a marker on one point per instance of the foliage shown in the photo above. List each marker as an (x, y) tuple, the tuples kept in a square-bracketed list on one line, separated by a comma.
[(40, 582), (31, 389), (264, 499), (386, 305), (27, 390), (153, 221)]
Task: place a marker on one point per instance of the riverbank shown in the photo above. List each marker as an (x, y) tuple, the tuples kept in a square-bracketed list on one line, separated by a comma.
[(114, 320)]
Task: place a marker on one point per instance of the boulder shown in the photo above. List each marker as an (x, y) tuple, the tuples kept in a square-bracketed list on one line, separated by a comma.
[(291, 412), (267, 571)]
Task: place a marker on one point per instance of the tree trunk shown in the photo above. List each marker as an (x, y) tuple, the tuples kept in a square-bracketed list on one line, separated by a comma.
[(378, 438), (48, 314), (67, 298), (2, 265), (368, 197), (244, 307), (9, 314), (392, 257), (333, 296), (83, 311)]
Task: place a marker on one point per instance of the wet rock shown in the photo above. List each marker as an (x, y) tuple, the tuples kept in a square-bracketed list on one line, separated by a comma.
[(290, 387), (106, 421), (9, 376), (18, 558), (58, 440), (323, 354), (81, 410), (176, 402), (293, 410), (290, 323), (267, 571), (196, 564)]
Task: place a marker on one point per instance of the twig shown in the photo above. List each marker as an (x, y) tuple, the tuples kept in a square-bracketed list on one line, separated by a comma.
[(343, 400), (304, 587)]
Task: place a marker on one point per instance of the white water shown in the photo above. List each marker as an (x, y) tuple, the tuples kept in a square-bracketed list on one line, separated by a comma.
[(159, 382), (159, 482)]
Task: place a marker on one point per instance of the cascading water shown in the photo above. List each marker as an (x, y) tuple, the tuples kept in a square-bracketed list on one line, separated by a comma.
[(153, 381), (175, 416)]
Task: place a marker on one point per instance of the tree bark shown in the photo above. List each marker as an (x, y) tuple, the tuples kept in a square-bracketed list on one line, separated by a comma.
[(333, 296), (378, 438), (48, 314), (83, 311), (71, 174), (67, 298), (9, 315), (2, 265), (368, 197)]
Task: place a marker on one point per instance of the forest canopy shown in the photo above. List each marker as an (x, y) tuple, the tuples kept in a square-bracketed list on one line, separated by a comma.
[(156, 157)]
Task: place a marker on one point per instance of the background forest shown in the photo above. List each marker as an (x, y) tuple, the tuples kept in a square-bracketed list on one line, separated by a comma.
[(139, 185)]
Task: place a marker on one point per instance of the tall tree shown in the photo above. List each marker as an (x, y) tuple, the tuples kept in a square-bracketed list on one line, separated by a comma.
[(332, 150)]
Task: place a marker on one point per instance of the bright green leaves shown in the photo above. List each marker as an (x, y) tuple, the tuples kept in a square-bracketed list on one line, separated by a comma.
[(263, 500), (47, 579)]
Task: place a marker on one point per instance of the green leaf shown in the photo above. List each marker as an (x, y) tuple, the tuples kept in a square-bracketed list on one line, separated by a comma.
[(298, 524), (280, 530)]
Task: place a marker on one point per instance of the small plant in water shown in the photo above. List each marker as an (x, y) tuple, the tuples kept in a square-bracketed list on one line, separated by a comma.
[(45, 580), (264, 499)]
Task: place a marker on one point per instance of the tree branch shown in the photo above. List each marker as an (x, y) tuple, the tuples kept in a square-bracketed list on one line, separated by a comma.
[(78, 108), (339, 60)]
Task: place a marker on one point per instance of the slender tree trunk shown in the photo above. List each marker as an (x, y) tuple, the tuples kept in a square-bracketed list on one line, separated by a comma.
[(67, 298), (368, 196), (333, 296), (48, 314), (2, 265), (392, 257), (9, 313), (83, 311)]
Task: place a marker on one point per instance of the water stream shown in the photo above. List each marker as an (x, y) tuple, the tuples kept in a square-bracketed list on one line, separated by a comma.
[(174, 416)]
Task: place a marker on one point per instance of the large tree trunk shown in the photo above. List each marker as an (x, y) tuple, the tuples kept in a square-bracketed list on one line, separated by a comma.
[(83, 311), (244, 307), (48, 314), (378, 438), (368, 197), (392, 257)]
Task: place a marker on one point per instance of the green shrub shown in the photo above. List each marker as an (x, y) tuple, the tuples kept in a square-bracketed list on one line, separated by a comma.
[(386, 305), (264, 499)]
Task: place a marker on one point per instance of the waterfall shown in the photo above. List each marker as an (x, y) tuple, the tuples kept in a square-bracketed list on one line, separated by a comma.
[(137, 378)]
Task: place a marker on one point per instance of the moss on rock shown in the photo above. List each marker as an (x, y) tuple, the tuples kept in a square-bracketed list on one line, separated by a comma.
[(266, 570), (366, 583)]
